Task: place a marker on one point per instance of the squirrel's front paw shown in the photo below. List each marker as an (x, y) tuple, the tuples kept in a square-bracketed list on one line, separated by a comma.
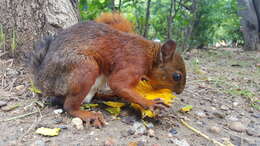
[(156, 105)]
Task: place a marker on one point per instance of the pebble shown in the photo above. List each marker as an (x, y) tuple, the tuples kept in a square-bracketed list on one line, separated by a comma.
[(58, 120), (38, 143), (19, 87), (130, 132), (182, 142), (3, 103), (63, 127), (173, 131), (139, 128), (256, 115), (110, 142), (232, 118), (253, 132), (124, 133), (200, 114), (128, 120), (218, 115), (236, 140), (235, 103), (151, 133), (78, 123), (237, 126), (58, 111), (224, 107), (150, 125), (141, 143), (214, 129)]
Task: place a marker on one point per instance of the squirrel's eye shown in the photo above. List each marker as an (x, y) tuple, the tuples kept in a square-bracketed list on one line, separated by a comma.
[(176, 76)]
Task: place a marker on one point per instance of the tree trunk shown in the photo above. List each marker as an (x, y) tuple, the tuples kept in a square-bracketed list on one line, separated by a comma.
[(169, 20), (113, 5), (188, 32), (119, 5), (249, 11), (31, 19), (146, 24)]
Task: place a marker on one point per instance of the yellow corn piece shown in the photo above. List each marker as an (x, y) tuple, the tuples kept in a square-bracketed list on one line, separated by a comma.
[(48, 131), (146, 90)]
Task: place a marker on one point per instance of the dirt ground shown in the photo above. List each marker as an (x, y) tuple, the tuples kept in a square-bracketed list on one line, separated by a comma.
[(223, 86)]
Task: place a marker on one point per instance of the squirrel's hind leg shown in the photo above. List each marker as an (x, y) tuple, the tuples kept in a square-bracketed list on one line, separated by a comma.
[(81, 79)]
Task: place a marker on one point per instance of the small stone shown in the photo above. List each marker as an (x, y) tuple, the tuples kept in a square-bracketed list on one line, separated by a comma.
[(78, 123), (150, 125), (141, 143), (19, 87), (3, 103), (218, 115), (253, 132), (224, 107), (91, 133), (214, 129), (232, 118), (256, 115), (38, 143), (128, 120), (131, 132), (235, 103), (200, 114), (124, 133), (151, 133), (139, 128), (58, 111), (237, 126), (110, 142), (173, 131), (182, 142), (236, 140), (63, 127), (58, 120)]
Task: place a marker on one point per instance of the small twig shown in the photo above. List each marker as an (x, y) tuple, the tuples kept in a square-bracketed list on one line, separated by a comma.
[(19, 117), (201, 134), (29, 129)]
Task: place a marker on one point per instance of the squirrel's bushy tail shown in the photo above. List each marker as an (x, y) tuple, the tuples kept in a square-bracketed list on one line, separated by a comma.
[(117, 21), (40, 50)]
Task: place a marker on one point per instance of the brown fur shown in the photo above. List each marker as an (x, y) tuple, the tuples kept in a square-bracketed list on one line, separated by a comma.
[(117, 21), (79, 54)]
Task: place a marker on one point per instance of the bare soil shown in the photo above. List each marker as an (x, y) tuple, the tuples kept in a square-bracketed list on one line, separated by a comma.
[(223, 87)]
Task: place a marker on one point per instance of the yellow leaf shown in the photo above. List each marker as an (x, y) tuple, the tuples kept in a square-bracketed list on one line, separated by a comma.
[(147, 91), (186, 108), (114, 104), (48, 131), (114, 110), (89, 105), (145, 113)]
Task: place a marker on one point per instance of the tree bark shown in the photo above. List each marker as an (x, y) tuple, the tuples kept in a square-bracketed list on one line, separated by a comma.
[(146, 24), (112, 5), (32, 19), (249, 11), (169, 20), (119, 5)]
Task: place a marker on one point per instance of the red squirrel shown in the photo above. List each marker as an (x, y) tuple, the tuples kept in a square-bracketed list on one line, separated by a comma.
[(81, 59)]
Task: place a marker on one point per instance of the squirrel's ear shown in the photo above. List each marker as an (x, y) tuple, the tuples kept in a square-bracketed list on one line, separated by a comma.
[(167, 51)]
